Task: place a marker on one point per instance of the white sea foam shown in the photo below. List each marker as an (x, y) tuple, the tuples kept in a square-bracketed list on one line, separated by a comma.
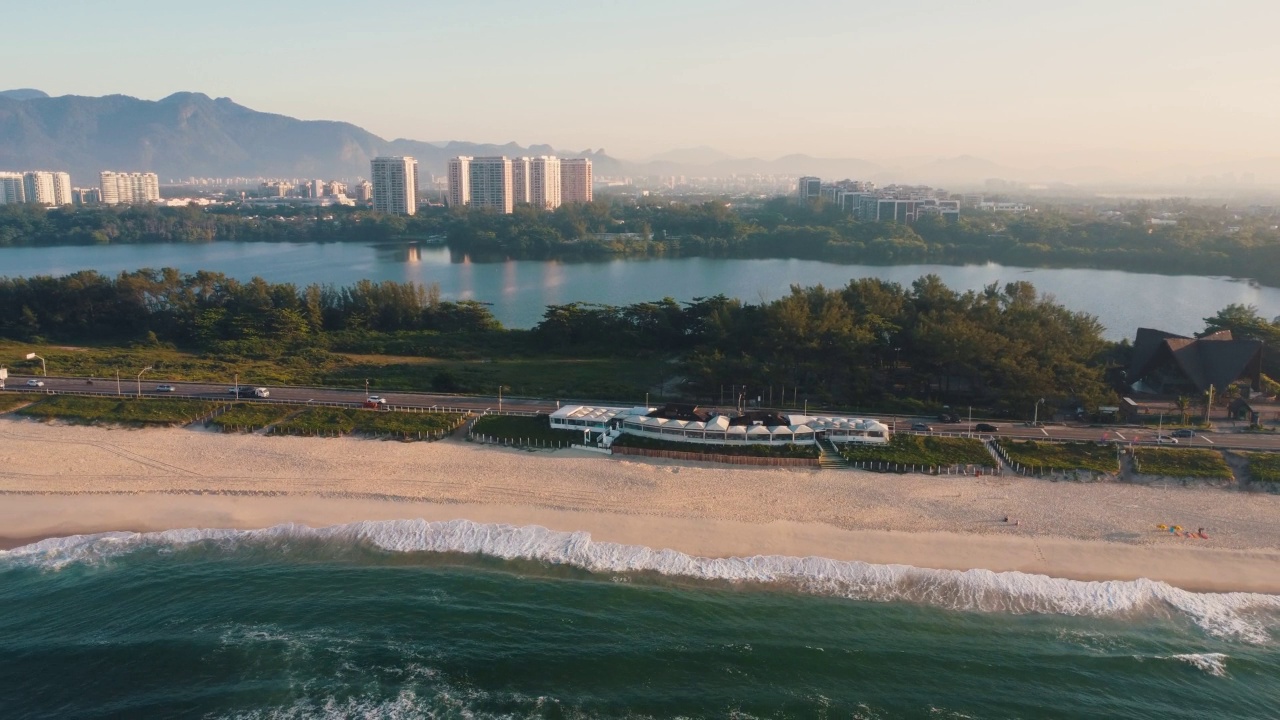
[(1212, 663), (1246, 616)]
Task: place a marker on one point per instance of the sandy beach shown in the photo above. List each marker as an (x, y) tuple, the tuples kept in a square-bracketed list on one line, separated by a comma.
[(61, 480)]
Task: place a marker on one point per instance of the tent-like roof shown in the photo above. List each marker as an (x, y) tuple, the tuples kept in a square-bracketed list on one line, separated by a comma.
[(1217, 359)]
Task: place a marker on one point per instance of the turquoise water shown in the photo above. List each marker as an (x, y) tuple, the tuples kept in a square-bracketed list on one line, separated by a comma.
[(396, 620)]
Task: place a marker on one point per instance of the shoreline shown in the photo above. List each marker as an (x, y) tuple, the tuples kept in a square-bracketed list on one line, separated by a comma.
[(58, 480), (30, 518)]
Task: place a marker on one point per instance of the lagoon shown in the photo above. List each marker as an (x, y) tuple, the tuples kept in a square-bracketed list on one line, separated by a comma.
[(520, 290)]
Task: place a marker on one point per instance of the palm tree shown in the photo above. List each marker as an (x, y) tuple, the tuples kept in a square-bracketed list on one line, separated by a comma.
[(1184, 404)]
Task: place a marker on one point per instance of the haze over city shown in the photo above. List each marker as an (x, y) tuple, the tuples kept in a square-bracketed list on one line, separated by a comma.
[(1138, 85)]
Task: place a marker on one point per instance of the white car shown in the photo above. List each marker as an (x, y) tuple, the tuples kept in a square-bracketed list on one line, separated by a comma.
[(377, 399), (166, 388), (1166, 440), (35, 383)]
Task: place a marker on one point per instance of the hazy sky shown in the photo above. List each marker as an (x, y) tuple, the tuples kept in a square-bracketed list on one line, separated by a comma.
[(1021, 81)]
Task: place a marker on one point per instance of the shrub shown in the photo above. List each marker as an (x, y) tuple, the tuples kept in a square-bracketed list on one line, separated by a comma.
[(924, 450), (1178, 462)]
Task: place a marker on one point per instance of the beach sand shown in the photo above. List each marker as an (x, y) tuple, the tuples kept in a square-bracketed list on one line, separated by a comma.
[(61, 480)]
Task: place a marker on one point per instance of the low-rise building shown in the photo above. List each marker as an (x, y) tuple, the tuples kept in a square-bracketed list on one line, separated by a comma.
[(693, 425)]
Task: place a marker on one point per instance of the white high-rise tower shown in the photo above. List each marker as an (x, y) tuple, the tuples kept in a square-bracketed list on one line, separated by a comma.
[(395, 185)]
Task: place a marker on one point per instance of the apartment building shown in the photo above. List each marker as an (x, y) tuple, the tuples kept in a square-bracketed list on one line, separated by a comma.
[(575, 180), (520, 169), (395, 185), (491, 184), (459, 181), (12, 191), (120, 188), (545, 182)]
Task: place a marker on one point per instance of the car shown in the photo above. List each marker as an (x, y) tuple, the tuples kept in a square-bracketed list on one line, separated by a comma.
[(1183, 433), (35, 383), (1166, 440), (261, 392), (921, 427), (166, 388), (948, 418), (985, 427), (376, 400)]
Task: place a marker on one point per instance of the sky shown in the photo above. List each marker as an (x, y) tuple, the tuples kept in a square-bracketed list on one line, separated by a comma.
[(1023, 83)]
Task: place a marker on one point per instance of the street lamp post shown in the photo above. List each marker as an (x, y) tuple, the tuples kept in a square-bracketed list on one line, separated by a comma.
[(366, 387), (500, 389), (1035, 419), (140, 379), (44, 369)]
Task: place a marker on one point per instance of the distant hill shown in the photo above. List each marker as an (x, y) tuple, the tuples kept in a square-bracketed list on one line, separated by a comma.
[(23, 94), (189, 134)]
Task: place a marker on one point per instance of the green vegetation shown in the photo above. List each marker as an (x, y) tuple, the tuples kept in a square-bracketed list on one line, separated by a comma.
[(1178, 462), (119, 411), (869, 342), (1062, 456), (1205, 240), (923, 450), (9, 401), (1264, 467), (520, 427), (345, 421), (746, 449), (252, 416), (372, 422)]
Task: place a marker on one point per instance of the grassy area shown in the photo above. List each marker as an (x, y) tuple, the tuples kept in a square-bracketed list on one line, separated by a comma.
[(554, 377), (329, 421), (1063, 456), (9, 401), (378, 423), (922, 450), (1177, 462), (547, 376), (751, 450), (119, 411), (1264, 467), (517, 427), (252, 416)]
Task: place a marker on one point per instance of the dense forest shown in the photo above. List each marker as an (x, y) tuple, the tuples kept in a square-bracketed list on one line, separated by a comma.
[(1202, 242), (870, 342)]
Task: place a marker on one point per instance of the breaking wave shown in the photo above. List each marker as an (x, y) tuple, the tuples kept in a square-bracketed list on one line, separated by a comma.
[(1243, 616)]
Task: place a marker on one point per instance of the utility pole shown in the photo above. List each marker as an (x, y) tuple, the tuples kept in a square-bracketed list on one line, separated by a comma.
[(118, 392), (1208, 407), (140, 379), (970, 421)]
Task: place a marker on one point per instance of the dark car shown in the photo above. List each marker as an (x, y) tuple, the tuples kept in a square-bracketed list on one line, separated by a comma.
[(985, 427), (1183, 433), (949, 418)]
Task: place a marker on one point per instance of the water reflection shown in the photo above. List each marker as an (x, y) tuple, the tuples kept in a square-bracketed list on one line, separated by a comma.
[(520, 290)]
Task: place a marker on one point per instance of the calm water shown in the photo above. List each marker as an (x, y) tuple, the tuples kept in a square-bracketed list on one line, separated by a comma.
[(520, 290), (456, 620)]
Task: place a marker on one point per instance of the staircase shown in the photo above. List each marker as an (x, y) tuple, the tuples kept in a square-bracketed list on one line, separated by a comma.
[(829, 458), (1004, 466)]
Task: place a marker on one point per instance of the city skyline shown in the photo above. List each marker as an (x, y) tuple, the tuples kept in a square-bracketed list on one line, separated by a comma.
[(1140, 84)]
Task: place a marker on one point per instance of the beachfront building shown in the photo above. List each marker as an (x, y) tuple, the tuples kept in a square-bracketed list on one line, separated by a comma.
[(128, 188), (709, 428)]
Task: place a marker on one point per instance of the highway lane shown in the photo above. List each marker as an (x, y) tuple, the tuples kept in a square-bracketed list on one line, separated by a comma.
[(355, 397), (301, 395)]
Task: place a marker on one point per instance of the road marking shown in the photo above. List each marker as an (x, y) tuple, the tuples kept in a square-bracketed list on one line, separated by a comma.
[(1207, 440), (1046, 432), (1122, 437)]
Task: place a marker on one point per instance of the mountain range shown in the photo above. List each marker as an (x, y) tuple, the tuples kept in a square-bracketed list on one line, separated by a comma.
[(190, 134)]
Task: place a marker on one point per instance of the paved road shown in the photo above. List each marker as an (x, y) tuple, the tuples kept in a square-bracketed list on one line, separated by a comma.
[(354, 398), (302, 395)]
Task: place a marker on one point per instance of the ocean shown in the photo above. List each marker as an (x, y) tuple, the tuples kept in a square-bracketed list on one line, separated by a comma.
[(410, 619)]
